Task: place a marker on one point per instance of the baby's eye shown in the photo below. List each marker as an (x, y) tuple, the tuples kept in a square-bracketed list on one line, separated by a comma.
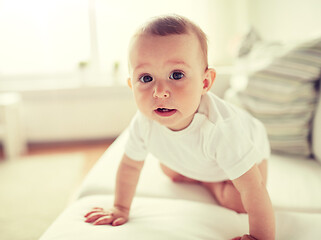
[(176, 75), (146, 78)]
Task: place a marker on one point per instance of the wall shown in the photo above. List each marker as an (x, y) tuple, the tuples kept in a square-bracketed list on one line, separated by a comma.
[(286, 20), (228, 20)]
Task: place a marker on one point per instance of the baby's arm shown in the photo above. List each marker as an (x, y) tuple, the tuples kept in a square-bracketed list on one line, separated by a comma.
[(257, 203), (126, 181)]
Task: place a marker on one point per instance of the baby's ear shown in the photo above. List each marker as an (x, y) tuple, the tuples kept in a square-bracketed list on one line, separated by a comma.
[(129, 82), (209, 78)]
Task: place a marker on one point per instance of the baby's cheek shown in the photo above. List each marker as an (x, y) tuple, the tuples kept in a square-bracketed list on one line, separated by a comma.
[(143, 100), (143, 89)]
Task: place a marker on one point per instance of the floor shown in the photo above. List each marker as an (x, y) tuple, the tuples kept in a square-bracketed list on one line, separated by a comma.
[(24, 197), (91, 149)]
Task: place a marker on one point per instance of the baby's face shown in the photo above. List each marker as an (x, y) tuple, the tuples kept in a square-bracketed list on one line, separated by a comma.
[(168, 78)]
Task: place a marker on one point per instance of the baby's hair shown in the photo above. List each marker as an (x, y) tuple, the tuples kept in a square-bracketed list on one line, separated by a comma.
[(175, 24)]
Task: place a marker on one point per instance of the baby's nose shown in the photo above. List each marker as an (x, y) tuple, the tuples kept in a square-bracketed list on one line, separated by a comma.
[(160, 91)]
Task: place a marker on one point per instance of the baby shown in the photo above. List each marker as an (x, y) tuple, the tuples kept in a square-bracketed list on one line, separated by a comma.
[(197, 137)]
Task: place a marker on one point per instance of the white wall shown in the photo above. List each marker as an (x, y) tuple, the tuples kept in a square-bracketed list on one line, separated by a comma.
[(286, 20), (227, 20)]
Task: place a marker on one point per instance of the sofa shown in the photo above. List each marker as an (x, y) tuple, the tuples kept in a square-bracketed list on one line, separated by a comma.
[(163, 209)]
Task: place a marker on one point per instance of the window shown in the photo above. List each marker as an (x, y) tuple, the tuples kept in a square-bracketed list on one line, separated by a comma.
[(42, 40), (75, 42)]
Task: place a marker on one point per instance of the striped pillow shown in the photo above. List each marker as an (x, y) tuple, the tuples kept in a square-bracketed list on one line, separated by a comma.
[(316, 133), (284, 95)]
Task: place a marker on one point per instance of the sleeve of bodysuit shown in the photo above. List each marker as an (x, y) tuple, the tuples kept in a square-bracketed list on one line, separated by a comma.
[(135, 147), (235, 152)]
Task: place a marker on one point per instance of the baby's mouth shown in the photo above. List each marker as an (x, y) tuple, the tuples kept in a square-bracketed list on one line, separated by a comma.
[(165, 112)]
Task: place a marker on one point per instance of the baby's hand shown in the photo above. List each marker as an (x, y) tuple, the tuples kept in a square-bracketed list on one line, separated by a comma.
[(114, 216)]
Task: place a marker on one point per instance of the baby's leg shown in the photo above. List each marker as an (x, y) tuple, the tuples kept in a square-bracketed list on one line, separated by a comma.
[(227, 195), (176, 177)]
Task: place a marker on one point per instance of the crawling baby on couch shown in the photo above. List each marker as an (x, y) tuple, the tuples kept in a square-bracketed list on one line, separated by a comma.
[(198, 137)]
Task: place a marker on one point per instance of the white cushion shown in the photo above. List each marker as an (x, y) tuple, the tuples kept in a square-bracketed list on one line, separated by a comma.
[(316, 134), (170, 219), (294, 183)]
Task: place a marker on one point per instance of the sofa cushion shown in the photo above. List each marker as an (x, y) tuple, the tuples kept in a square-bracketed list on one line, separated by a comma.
[(294, 183), (170, 219)]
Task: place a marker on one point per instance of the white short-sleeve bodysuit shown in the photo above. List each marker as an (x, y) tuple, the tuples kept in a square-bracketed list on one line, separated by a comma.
[(222, 142)]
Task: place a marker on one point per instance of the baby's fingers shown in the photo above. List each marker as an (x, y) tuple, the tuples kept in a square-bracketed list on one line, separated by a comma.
[(104, 220), (119, 221), (94, 216), (95, 210), (88, 214)]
